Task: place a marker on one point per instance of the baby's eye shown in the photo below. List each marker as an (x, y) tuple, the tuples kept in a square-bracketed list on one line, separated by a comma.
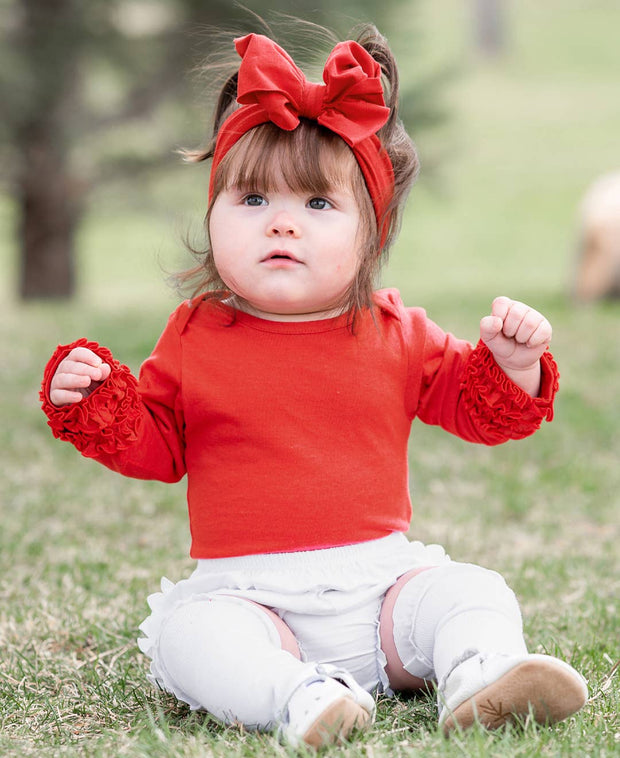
[(319, 204), (254, 200)]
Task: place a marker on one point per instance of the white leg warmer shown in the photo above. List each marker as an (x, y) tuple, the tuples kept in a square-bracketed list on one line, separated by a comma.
[(444, 614), (224, 654)]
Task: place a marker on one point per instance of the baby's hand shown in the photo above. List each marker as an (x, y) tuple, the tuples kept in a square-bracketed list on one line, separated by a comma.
[(77, 375), (517, 335)]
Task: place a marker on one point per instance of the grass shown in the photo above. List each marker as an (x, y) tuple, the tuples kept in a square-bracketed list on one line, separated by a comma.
[(81, 548)]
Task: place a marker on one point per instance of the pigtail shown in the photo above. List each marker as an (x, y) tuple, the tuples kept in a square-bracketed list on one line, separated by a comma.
[(369, 37), (226, 103)]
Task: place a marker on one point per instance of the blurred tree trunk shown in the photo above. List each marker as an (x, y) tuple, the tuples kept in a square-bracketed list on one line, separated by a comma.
[(49, 211), (47, 196)]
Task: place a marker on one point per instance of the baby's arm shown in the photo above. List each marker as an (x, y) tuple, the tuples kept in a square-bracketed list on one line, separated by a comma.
[(517, 335), (92, 401), (77, 375)]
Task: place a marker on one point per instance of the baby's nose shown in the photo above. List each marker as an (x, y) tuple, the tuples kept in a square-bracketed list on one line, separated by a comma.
[(283, 224)]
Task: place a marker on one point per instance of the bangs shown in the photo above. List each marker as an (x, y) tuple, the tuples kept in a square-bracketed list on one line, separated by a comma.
[(309, 158)]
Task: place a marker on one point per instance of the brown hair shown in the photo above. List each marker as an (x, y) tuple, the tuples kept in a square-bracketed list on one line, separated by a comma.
[(313, 158)]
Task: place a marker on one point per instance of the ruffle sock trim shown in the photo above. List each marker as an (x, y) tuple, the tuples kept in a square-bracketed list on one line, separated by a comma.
[(104, 422), (499, 404)]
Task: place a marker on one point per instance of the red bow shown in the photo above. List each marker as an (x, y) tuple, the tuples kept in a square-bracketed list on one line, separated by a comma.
[(350, 103)]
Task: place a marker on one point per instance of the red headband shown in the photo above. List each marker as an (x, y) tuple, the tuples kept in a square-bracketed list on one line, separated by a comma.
[(271, 87)]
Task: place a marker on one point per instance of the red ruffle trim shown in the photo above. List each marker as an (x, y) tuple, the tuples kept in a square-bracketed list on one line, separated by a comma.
[(500, 406), (104, 422)]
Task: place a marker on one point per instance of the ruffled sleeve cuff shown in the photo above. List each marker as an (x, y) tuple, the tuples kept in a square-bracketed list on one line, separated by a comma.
[(498, 405), (106, 421)]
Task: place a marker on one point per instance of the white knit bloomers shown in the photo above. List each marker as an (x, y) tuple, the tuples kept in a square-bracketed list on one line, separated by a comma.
[(329, 598)]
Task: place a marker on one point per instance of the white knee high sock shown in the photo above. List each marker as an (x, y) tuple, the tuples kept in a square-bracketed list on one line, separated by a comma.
[(443, 613), (224, 655)]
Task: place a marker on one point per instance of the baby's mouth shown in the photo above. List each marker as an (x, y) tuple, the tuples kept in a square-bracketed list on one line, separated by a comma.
[(283, 255)]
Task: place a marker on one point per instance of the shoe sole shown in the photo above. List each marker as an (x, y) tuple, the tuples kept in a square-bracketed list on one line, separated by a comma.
[(545, 689), (336, 723)]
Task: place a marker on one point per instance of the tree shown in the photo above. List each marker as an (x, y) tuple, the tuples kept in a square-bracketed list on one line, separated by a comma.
[(47, 192)]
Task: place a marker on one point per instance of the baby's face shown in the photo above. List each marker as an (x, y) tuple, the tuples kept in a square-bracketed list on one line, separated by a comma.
[(287, 256)]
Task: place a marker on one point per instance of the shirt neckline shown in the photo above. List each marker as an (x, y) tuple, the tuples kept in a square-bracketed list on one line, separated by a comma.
[(286, 327)]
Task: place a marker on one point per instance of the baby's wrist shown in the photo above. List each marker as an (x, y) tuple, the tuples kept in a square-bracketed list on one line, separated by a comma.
[(507, 368), (527, 377)]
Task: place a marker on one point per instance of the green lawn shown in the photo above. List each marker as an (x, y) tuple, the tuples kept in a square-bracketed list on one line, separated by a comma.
[(81, 548)]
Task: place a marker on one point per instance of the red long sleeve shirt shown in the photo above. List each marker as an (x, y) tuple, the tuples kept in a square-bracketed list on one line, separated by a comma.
[(293, 435)]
